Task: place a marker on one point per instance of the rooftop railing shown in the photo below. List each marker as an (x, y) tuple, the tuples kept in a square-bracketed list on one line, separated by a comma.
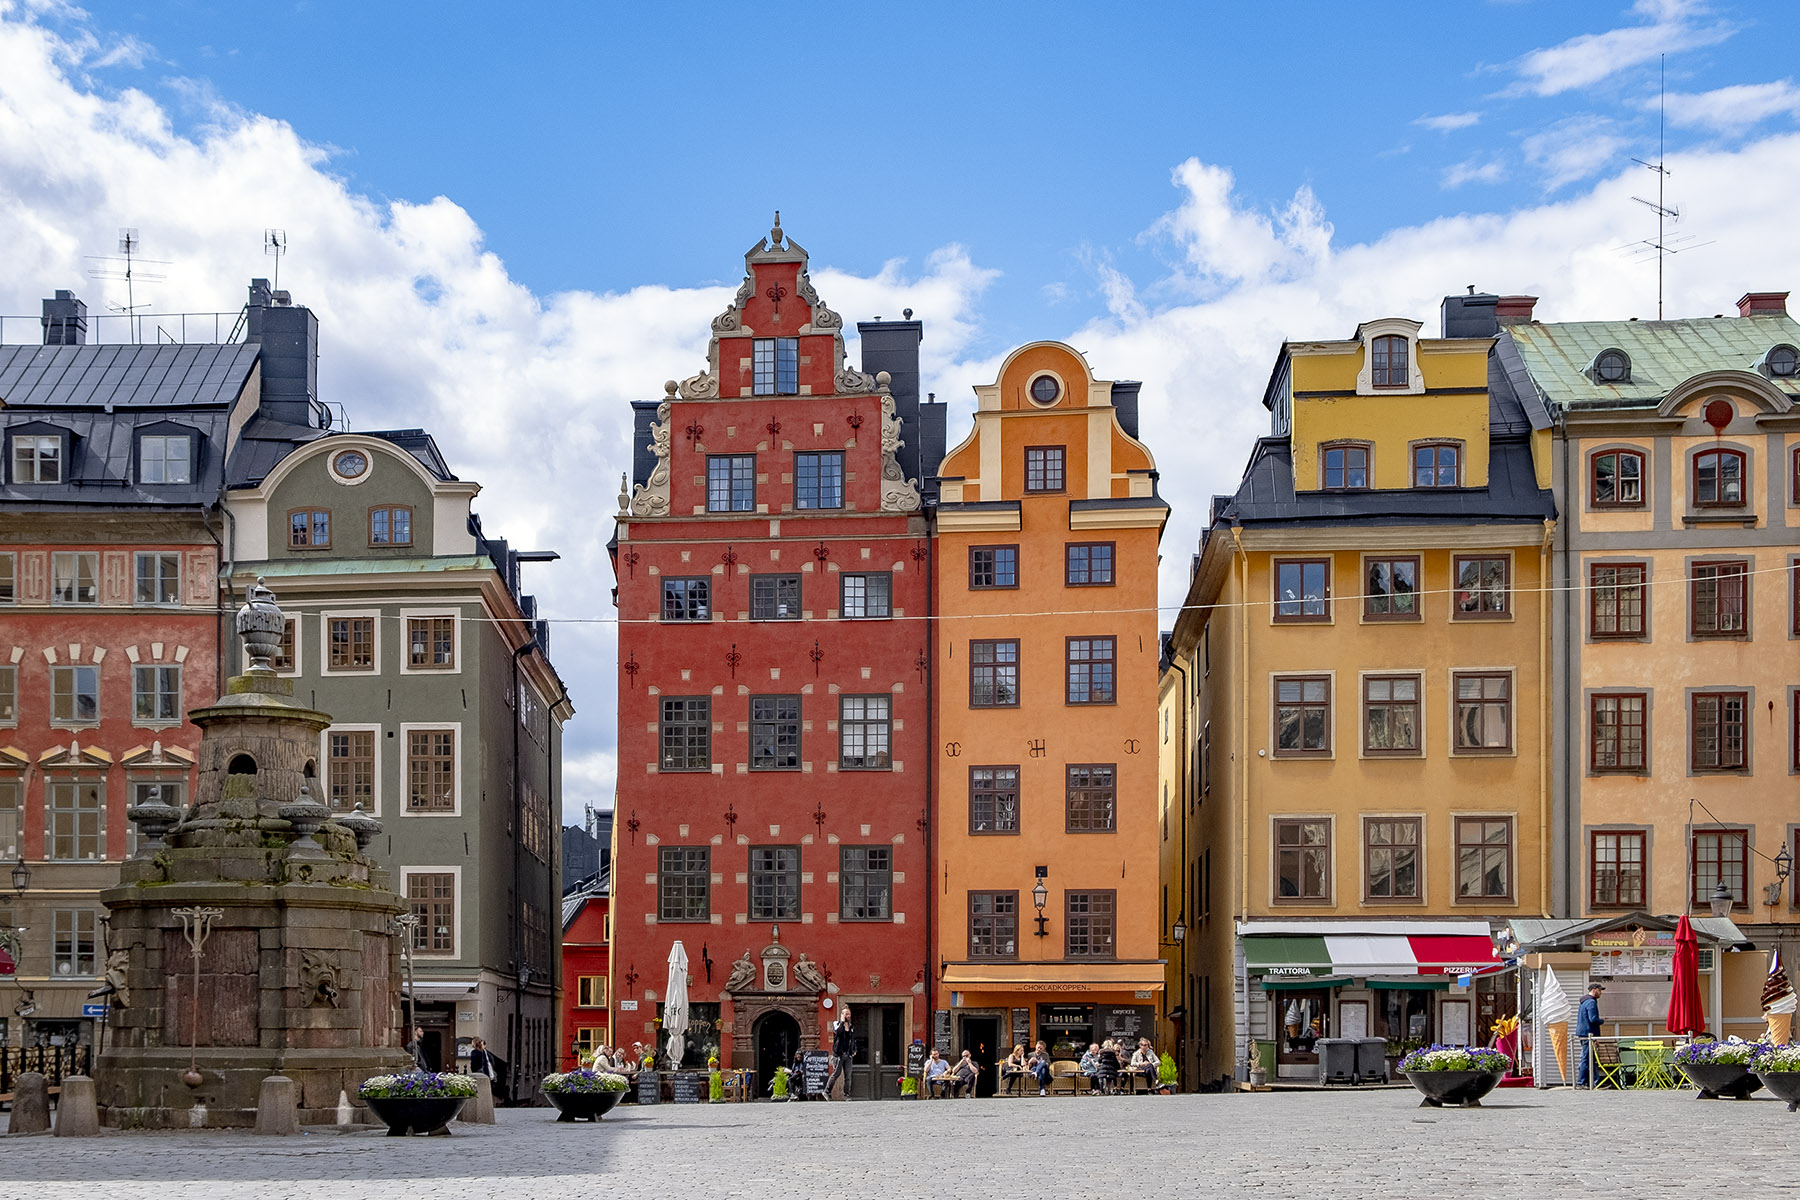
[(144, 329)]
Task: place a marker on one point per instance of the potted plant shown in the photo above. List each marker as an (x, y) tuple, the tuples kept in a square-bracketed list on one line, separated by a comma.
[(715, 1085), (778, 1087), (1454, 1074), (1721, 1069), (584, 1094), (1166, 1074), (909, 1088), (1779, 1069), (418, 1101)]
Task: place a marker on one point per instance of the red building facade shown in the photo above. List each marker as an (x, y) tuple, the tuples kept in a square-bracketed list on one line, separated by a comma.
[(586, 946), (772, 565)]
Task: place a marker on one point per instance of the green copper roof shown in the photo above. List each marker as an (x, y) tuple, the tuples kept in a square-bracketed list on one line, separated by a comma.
[(1663, 354)]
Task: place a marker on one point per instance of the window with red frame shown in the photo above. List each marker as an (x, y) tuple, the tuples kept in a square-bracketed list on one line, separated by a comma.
[(1616, 726), (1718, 599), (1719, 478), (1617, 479), (1387, 360), (1616, 868), (1721, 854), (1616, 600), (1718, 738)]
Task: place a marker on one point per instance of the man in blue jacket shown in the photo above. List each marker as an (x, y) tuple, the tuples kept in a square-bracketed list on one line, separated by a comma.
[(1587, 1025)]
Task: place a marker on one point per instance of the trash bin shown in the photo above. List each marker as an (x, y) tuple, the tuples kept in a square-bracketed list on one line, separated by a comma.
[(1371, 1060), (1337, 1060)]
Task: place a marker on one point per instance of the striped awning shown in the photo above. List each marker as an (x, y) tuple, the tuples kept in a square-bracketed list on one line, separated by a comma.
[(1365, 955)]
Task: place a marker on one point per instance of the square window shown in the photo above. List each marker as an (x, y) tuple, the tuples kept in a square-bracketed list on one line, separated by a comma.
[(1302, 860), (431, 770), (1302, 586), (76, 822), (775, 367), (993, 567), (1482, 589), (993, 799), (350, 643), (686, 733), (864, 729), (1092, 798), (158, 579), (1616, 600), (155, 695), (1088, 564), (432, 898), (164, 458), (775, 733), (1617, 724), (686, 599), (865, 883), (1044, 468), (819, 480), (1437, 466), (1091, 923), (37, 458), (590, 992), (1391, 857), (390, 526), (1391, 715), (431, 643), (774, 883), (1616, 868), (1618, 479), (75, 695), (867, 595), (350, 769), (74, 577), (1346, 467), (772, 597), (1302, 715), (309, 529), (731, 483), (1718, 737), (994, 925), (1483, 713), (1484, 858), (1090, 665), (1719, 599), (1719, 479), (1721, 855), (1391, 589), (994, 674)]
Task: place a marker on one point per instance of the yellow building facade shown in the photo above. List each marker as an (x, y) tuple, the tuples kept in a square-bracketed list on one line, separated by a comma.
[(1363, 655), (1045, 826)]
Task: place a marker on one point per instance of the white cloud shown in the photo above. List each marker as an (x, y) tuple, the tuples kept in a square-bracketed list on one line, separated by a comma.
[(1669, 26), (1224, 245), (1574, 148), (1732, 109), (1474, 170), (1449, 122)]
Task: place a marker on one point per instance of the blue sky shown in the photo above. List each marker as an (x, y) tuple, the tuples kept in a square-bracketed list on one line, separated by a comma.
[(510, 228)]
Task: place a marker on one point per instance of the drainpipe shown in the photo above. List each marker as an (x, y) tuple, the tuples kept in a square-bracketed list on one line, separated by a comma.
[(518, 889), (1241, 735), (1181, 914), (931, 892), (227, 562), (1545, 650), (1570, 763)]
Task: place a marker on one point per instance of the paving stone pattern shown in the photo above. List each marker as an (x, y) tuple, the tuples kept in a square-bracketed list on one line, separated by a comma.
[(1377, 1144)]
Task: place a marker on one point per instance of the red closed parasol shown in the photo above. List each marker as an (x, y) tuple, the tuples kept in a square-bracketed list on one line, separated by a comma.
[(1685, 1013)]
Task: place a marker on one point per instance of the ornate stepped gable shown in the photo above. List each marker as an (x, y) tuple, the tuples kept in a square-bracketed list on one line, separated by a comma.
[(775, 270)]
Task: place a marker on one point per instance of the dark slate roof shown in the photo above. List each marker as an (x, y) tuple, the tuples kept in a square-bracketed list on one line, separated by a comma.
[(420, 445), (592, 888), (261, 444), (102, 470), (122, 375)]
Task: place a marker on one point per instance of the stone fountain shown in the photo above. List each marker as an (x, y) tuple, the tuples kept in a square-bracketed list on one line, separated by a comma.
[(296, 972)]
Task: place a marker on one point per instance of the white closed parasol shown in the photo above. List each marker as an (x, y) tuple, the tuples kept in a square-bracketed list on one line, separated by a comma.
[(675, 1005)]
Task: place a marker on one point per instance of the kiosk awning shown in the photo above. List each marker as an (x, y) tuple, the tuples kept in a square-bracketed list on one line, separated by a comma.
[(1366, 955), (1296, 956)]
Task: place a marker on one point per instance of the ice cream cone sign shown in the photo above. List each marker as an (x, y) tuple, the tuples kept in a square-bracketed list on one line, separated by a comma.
[(1553, 1012), (1778, 1002)]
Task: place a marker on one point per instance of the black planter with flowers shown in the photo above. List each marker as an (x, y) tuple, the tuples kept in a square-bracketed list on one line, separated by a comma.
[(1459, 1075), (584, 1094), (418, 1101), (1721, 1069)]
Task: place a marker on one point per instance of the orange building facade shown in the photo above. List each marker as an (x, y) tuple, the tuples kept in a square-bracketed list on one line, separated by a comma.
[(1047, 922)]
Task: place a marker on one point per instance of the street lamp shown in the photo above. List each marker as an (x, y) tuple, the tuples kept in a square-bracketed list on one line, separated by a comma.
[(1784, 865), (1721, 900), (21, 877), (1040, 896), (1179, 932)]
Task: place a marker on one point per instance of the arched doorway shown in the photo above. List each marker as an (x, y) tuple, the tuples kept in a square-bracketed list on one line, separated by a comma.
[(776, 1036)]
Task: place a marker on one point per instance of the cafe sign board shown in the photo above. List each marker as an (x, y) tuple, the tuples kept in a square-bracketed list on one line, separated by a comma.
[(1632, 939)]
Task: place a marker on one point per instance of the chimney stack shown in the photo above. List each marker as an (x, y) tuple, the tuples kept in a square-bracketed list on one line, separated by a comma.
[(65, 320), (289, 336), (1514, 310), (1470, 316), (1751, 304)]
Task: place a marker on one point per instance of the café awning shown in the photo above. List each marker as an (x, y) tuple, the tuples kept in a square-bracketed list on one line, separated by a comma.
[(1298, 956), (1453, 955), (1365, 955)]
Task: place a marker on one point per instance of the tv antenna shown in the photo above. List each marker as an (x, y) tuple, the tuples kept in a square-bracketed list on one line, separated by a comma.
[(275, 245), (109, 268), (1666, 214)]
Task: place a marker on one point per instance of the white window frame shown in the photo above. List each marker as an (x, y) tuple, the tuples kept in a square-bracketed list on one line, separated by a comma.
[(299, 668), (37, 440), (402, 806), (10, 560), (75, 780), (324, 771), (137, 573), (406, 874), (75, 722), (324, 619), (10, 720), (180, 705), (77, 555), (12, 796), (411, 614), (165, 439)]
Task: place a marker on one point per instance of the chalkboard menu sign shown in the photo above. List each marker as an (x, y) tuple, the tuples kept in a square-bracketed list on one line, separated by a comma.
[(649, 1087), (940, 1030), (1021, 1027), (915, 1058), (815, 1069), (690, 1087), (1126, 1023)]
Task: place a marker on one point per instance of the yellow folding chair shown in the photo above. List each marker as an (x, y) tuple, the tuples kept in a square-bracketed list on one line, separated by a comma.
[(1608, 1070), (1653, 1066)]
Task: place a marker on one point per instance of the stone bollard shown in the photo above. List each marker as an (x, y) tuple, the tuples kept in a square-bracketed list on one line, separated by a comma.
[(480, 1110), (77, 1115), (277, 1109), (31, 1104)]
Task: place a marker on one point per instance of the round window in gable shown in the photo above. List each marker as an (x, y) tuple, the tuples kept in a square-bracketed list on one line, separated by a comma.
[(350, 465), (1612, 367), (1045, 390), (1783, 362)]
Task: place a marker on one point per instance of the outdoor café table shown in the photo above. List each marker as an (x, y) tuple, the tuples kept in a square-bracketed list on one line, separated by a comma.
[(1653, 1066)]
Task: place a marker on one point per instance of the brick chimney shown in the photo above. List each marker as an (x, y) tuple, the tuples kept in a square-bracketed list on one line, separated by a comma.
[(1514, 310), (1753, 304)]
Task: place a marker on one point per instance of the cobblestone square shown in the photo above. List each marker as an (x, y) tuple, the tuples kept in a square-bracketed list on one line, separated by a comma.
[(1307, 1144)]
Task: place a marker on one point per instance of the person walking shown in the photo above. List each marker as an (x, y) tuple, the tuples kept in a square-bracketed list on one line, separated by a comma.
[(1587, 1028), (843, 1053), (481, 1063), (416, 1048)]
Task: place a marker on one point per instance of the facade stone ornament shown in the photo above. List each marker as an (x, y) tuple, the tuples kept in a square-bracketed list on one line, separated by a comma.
[(321, 982), (807, 975), (260, 623), (651, 499), (624, 493), (824, 320), (851, 382), (704, 386), (743, 974), (898, 493), (117, 964)]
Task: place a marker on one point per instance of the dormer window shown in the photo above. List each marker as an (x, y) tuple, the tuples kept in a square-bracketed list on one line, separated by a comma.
[(37, 458), (165, 458), (1346, 468), (775, 367), (1387, 358), (1781, 362), (1612, 366)]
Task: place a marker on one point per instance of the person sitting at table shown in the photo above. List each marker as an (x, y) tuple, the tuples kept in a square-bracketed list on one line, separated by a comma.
[(937, 1075), (1089, 1067), (1109, 1067), (1013, 1072), (1145, 1064), (1039, 1066), (964, 1075)]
